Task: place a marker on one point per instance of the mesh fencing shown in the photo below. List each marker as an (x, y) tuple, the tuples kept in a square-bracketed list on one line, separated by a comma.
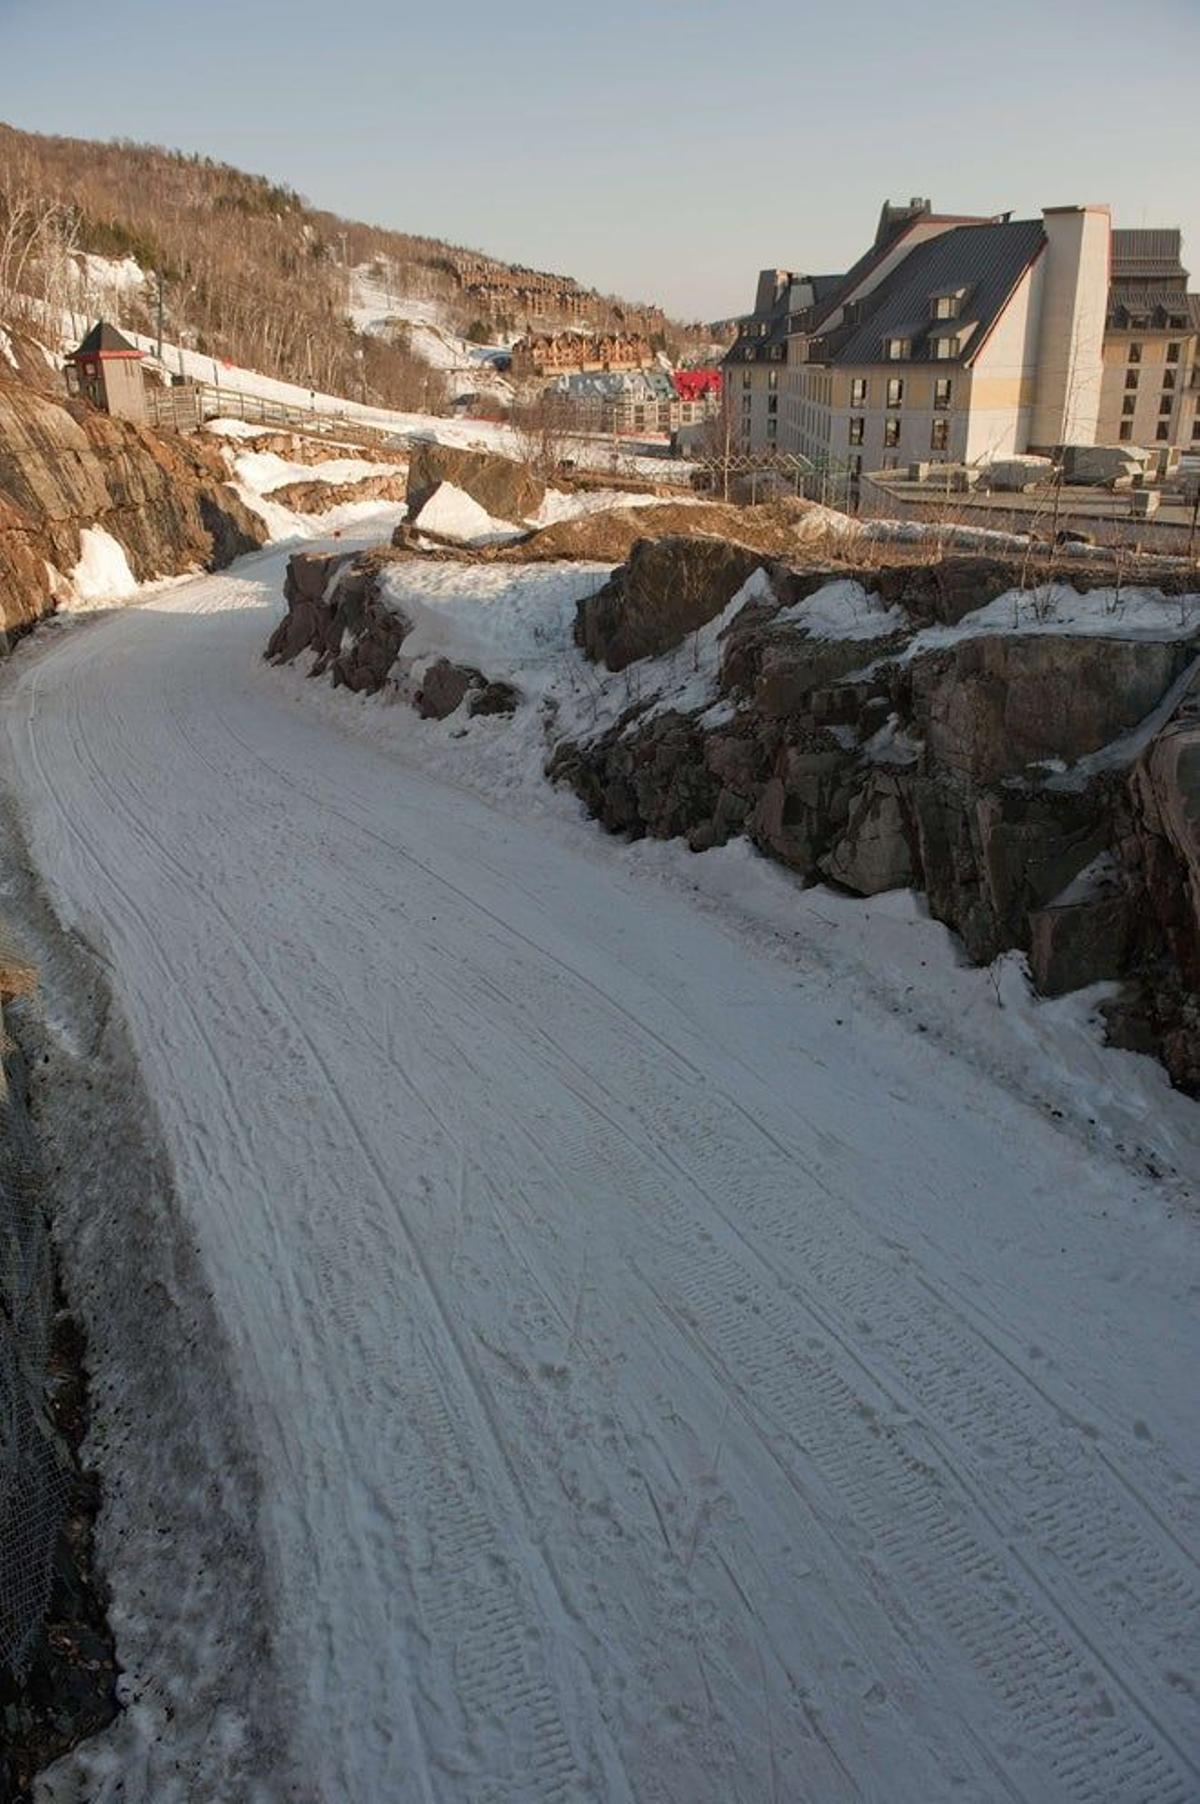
[(34, 1473)]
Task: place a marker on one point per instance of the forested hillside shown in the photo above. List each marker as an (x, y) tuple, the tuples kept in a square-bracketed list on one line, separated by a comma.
[(249, 271)]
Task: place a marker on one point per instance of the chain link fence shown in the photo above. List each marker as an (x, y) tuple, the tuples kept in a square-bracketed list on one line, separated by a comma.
[(34, 1473)]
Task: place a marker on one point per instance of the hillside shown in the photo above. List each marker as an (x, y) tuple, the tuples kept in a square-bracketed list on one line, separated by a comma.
[(251, 273)]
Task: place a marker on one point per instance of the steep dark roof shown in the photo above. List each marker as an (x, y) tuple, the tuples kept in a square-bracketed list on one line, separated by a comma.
[(1146, 253), (893, 224), (985, 261), (104, 337), (1153, 309)]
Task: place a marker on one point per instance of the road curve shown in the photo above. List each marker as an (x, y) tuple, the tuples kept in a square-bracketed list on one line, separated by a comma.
[(662, 1390)]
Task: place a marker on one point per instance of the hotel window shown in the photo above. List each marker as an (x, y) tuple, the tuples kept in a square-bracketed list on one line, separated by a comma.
[(1129, 404), (1131, 378), (1168, 378), (1173, 353), (891, 432), (939, 437), (895, 391), (942, 390), (1126, 429), (858, 391), (1135, 353), (856, 431), (1165, 404), (1162, 430)]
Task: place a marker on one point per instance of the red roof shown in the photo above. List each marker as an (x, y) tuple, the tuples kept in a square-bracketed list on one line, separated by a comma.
[(693, 385)]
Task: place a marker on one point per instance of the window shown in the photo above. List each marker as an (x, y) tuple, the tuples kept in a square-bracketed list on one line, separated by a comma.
[(1196, 427), (945, 347), (946, 306), (856, 430), (891, 432), (858, 391), (895, 391), (1162, 430), (1135, 353), (942, 390), (1173, 353), (745, 378), (1168, 378), (772, 404), (1129, 404), (772, 427), (1131, 378), (897, 348), (939, 437), (1165, 404), (1126, 429), (772, 380)]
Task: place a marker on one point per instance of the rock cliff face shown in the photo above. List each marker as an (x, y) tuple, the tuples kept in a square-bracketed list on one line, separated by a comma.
[(988, 772), (65, 466)]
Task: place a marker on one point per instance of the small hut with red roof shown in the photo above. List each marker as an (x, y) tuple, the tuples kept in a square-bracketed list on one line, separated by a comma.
[(107, 371)]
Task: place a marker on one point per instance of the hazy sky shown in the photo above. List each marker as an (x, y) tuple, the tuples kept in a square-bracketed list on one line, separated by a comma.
[(664, 151)]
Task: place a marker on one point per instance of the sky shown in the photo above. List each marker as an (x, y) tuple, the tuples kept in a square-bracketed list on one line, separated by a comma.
[(662, 151)]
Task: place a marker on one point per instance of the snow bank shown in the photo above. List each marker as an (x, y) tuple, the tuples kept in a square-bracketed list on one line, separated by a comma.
[(264, 471), (844, 610), (1057, 608), (102, 573), (450, 513)]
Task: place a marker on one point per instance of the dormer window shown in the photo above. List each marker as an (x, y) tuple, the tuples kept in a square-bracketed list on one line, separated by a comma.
[(947, 305), (896, 349), (944, 345)]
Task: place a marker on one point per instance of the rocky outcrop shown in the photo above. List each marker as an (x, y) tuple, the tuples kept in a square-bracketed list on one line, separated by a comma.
[(505, 489), (668, 589), (337, 609), (321, 497), (964, 770), (64, 467)]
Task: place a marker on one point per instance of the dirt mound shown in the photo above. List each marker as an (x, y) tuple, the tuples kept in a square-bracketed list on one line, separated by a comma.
[(777, 529)]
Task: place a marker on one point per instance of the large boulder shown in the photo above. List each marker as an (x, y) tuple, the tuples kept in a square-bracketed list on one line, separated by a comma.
[(444, 687), (669, 588), (505, 489)]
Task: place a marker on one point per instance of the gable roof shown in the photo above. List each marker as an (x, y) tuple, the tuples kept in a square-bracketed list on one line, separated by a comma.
[(105, 340), (985, 261)]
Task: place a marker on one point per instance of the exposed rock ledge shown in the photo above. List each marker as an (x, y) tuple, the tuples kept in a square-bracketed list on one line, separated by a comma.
[(1042, 787), (64, 466)]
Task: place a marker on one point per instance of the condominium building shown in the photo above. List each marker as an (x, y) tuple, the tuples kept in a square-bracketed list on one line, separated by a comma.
[(755, 362), (960, 339), (1150, 389)]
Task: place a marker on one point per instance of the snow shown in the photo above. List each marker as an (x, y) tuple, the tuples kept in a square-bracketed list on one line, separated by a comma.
[(450, 513), (844, 610), (647, 1331), (559, 504), (102, 573), (1057, 608)]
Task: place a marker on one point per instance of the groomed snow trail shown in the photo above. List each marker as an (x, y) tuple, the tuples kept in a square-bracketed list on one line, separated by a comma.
[(669, 1383)]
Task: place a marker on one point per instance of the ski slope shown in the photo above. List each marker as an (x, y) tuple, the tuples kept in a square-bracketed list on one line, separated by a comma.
[(672, 1375)]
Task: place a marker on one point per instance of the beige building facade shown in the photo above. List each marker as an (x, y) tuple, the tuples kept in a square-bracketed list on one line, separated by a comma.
[(957, 340)]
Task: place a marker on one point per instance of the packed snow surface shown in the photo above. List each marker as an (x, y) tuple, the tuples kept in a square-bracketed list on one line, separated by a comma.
[(696, 1340), (844, 610), (1131, 613)]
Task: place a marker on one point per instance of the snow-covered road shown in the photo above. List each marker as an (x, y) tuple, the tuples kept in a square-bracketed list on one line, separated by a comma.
[(671, 1379)]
